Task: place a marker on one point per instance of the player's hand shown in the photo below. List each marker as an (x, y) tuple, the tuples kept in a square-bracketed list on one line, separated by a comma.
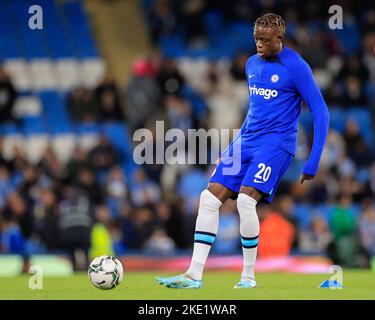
[(306, 177)]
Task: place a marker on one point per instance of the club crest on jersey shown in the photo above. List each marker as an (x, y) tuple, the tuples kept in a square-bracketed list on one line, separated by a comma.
[(275, 78)]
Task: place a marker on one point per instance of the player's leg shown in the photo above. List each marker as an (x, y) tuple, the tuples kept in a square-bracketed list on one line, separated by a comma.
[(225, 183), (206, 226), (261, 180), (249, 231), (205, 233)]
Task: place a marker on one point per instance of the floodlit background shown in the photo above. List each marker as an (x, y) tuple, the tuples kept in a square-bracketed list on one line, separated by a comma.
[(73, 93)]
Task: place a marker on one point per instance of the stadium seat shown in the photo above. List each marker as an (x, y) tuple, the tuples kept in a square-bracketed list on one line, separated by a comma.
[(35, 146), (35, 45), (60, 127), (8, 129), (240, 32), (363, 117), (363, 175), (192, 183), (88, 128), (43, 73), (338, 119), (87, 135), (87, 141), (198, 104), (213, 21), (9, 49), (369, 89), (302, 213), (204, 52), (147, 3), (185, 66), (56, 30), (323, 78), (173, 46), (54, 112), (10, 142), (324, 210), (118, 135), (67, 71), (306, 120), (33, 125), (91, 72), (63, 145), (27, 106), (294, 171), (231, 41), (334, 64), (78, 30), (19, 71), (349, 36), (357, 209)]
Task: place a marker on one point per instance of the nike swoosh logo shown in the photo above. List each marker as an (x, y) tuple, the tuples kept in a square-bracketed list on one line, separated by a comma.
[(252, 75), (258, 181)]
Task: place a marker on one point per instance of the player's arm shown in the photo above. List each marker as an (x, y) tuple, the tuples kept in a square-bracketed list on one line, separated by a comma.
[(311, 94)]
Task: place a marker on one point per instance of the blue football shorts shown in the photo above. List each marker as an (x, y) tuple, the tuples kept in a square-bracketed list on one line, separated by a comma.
[(260, 167)]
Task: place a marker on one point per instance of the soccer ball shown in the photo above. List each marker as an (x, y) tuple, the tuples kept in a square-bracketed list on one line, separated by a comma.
[(105, 272)]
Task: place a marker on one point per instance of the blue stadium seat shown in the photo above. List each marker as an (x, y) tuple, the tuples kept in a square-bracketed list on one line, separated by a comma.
[(294, 170), (54, 111), (369, 89), (223, 50), (302, 213), (357, 209), (349, 36), (88, 128), (324, 210), (192, 183), (118, 134), (238, 36), (198, 103), (213, 22), (204, 52), (8, 129), (172, 46), (35, 45), (60, 127), (306, 120), (338, 119), (363, 175), (147, 4), (59, 42), (363, 117), (79, 31), (33, 125)]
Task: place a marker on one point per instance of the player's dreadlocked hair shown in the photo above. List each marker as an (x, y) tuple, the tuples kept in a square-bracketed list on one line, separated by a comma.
[(272, 21)]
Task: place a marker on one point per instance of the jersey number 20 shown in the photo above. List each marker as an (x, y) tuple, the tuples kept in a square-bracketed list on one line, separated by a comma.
[(264, 173)]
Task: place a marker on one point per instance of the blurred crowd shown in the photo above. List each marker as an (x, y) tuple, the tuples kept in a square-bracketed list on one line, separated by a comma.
[(92, 204)]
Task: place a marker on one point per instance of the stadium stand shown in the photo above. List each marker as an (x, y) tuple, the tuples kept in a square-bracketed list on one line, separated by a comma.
[(198, 60)]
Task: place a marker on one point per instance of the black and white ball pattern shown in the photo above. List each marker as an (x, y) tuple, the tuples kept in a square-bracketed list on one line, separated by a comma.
[(105, 272)]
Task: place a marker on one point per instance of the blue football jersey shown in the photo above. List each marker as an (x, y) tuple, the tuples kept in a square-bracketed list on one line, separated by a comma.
[(277, 87)]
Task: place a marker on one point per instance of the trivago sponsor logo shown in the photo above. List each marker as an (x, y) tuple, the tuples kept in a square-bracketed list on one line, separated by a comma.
[(265, 93)]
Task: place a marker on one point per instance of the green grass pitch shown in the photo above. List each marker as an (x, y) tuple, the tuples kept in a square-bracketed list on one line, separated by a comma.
[(359, 284)]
